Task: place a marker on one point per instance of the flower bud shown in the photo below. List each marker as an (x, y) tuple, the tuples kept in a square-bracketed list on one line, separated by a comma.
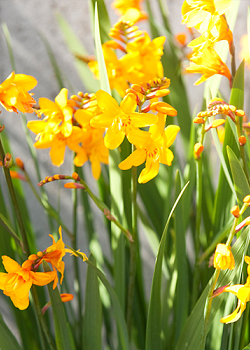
[(242, 140), (198, 149), (8, 161), (223, 257), (235, 211)]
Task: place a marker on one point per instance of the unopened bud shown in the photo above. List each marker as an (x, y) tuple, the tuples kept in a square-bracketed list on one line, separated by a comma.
[(76, 176), (19, 163), (235, 211), (2, 128), (246, 199), (242, 140), (198, 149), (199, 120), (74, 185), (240, 113), (8, 161)]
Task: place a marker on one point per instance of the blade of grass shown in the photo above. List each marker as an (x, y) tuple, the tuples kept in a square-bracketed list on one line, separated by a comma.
[(153, 330)]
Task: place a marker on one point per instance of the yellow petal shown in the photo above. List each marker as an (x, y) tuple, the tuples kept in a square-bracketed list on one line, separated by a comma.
[(134, 159), (171, 132), (57, 152), (107, 103), (62, 98), (25, 82), (128, 104), (150, 171), (10, 265), (47, 104), (113, 139)]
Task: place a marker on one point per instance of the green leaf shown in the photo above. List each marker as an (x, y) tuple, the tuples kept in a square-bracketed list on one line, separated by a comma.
[(101, 63), (103, 14), (153, 330), (120, 321), (7, 339), (64, 338), (240, 181), (182, 299), (92, 321), (191, 334), (237, 93)]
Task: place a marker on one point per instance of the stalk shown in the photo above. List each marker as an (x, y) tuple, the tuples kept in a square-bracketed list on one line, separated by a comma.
[(133, 249), (41, 319), (15, 203)]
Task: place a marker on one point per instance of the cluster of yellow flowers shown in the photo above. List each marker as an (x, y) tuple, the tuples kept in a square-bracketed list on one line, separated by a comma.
[(18, 280), (67, 123), (208, 18), (140, 61)]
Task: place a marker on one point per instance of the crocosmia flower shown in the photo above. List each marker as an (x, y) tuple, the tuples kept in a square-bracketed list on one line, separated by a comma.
[(223, 257), (242, 292), (16, 283), (152, 147), (119, 120), (14, 93)]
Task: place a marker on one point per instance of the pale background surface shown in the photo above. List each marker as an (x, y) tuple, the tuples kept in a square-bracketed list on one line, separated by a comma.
[(23, 19)]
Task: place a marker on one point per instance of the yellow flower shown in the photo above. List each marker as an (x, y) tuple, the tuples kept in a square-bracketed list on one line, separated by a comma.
[(54, 254), (142, 61), (119, 120), (93, 149), (115, 69), (200, 13), (16, 283), (49, 135), (58, 112), (223, 258), (14, 93), (242, 292), (152, 147), (208, 63)]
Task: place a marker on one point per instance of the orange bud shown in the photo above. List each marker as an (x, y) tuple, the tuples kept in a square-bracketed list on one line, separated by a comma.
[(15, 175), (76, 176), (181, 38), (198, 120), (223, 257), (240, 113), (162, 92), (32, 257), (246, 199), (242, 140), (19, 163), (164, 108), (39, 254), (235, 211), (198, 149), (66, 297), (74, 185), (8, 161)]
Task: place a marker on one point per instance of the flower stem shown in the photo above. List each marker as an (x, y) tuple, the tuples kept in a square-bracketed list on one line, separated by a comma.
[(133, 250), (106, 211), (41, 318), (49, 209), (14, 201)]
